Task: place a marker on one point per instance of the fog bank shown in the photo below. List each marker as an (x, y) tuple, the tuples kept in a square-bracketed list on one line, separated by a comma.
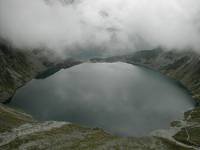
[(101, 26)]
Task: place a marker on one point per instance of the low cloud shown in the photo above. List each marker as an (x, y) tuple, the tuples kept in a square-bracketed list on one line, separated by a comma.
[(101, 26)]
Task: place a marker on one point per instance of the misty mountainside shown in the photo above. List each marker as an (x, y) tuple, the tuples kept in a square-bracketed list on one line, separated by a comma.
[(17, 67), (46, 36), (20, 131), (64, 2)]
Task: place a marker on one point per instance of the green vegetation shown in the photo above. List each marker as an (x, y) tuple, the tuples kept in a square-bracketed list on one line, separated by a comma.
[(193, 115), (189, 135), (76, 137), (10, 118)]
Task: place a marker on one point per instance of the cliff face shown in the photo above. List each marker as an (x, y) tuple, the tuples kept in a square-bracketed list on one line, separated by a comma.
[(17, 67)]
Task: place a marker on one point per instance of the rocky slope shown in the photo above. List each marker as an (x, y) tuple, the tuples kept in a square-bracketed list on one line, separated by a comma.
[(20, 131), (184, 67), (17, 67)]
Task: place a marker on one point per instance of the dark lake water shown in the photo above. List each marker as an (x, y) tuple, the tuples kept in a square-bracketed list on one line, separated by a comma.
[(118, 97)]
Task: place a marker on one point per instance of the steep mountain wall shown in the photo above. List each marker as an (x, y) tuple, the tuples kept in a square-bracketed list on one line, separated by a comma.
[(16, 68)]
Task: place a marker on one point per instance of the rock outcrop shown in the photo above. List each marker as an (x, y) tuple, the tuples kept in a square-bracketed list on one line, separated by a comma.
[(16, 68)]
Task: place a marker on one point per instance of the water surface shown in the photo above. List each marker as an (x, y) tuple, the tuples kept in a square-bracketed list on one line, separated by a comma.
[(118, 97)]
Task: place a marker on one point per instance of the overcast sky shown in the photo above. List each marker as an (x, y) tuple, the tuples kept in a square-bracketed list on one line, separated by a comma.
[(110, 26)]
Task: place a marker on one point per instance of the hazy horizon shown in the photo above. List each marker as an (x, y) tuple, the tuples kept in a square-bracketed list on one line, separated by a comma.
[(105, 27)]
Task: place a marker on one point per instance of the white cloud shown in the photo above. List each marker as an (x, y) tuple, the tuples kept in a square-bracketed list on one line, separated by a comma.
[(112, 26)]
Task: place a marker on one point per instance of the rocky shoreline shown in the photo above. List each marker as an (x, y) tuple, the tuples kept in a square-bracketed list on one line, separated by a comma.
[(19, 67), (184, 67), (24, 133)]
